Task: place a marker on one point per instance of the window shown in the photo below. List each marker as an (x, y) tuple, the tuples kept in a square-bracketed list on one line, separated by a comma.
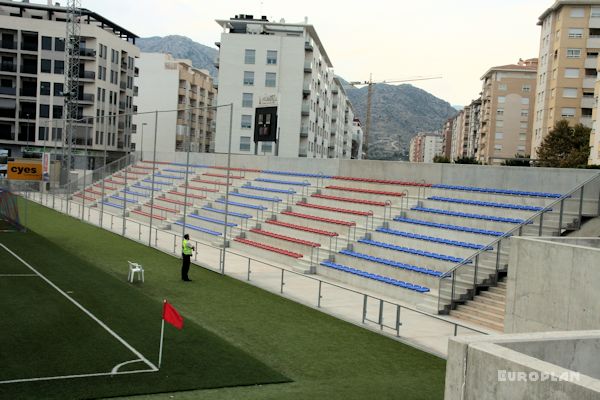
[(575, 33), (567, 112), (44, 111), (46, 43), (58, 89), (571, 72), (522, 136), (46, 66), (271, 56), (577, 12), (59, 67), (595, 12), (570, 92), (499, 124), (526, 88), (524, 113), (247, 100), (500, 111), (270, 79), (246, 121), (59, 44), (44, 88), (501, 99), (249, 56), (42, 135), (244, 143), (498, 147), (248, 78), (57, 112), (524, 125), (502, 87), (499, 135), (56, 134), (573, 53), (524, 100), (267, 147)]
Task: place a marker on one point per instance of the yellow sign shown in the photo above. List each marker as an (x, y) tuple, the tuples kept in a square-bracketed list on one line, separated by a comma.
[(24, 171)]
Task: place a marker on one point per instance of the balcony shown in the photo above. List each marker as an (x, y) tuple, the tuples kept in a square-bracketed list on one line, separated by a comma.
[(8, 67), (304, 131), (28, 92), (589, 82), (307, 66), (8, 44), (305, 109), (123, 86), (29, 69), (593, 42), (306, 88), (308, 46), (122, 105), (136, 91), (87, 75), (86, 98), (83, 52), (29, 46), (591, 62), (334, 104), (123, 65), (11, 91), (588, 102)]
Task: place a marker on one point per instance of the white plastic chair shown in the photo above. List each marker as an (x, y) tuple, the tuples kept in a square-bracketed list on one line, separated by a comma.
[(135, 268)]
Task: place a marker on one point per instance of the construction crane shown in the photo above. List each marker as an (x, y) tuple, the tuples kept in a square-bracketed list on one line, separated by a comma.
[(370, 84), (72, 61)]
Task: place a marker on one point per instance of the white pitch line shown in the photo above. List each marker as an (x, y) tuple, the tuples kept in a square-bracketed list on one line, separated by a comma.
[(53, 378), (92, 316), (116, 367)]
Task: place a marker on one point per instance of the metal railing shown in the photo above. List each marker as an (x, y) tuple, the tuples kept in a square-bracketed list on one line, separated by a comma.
[(484, 267), (388, 316)]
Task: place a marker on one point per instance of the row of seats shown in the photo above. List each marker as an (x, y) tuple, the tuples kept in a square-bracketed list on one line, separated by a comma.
[(382, 181), (117, 197), (334, 209), (321, 219), (486, 203), (269, 248), (147, 214), (497, 191), (115, 205), (286, 238), (212, 220), (395, 282), (140, 186), (301, 228), (303, 174), (192, 196), (409, 235), (222, 176), (266, 189), (469, 215), (148, 180), (350, 200), (134, 193), (392, 263), (232, 213), (235, 203), (199, 229), (279, 182), (252, 196), (408, 250), (369, 191)]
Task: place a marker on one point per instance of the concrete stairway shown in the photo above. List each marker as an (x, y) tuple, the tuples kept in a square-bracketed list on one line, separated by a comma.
[(486, 309)]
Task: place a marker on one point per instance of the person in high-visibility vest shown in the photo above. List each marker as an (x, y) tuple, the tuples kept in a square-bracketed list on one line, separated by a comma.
[(186, 253)]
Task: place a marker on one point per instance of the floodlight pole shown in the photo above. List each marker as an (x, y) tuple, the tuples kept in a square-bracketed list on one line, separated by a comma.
[(227, 189), (187, 170)]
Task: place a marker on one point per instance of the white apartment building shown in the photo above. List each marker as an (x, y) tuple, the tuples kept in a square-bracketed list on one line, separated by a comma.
[(425, 146), (173, 84), (259, 59), (32, 77)]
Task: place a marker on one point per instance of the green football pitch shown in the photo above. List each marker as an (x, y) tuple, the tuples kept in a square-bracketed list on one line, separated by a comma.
[(68, 311)]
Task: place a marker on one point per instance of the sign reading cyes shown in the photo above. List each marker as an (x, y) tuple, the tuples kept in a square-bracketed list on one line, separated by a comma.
[(24, 171)]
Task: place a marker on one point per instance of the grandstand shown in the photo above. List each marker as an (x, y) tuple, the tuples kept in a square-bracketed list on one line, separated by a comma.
[(426, 240)]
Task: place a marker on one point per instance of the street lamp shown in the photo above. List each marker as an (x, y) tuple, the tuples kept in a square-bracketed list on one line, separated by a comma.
[(28, 126), (142, 144)]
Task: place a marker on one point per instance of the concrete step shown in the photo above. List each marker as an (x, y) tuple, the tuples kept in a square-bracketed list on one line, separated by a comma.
[(494, 308), (493, 296), (481, 313), (498, 290), (478, 320), (491, 302)]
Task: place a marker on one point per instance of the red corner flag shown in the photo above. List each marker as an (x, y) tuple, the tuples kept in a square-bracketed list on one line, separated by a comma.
[(171, 315)]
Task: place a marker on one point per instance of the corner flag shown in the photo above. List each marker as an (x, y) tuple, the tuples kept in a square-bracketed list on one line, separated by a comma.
[(171, 315)]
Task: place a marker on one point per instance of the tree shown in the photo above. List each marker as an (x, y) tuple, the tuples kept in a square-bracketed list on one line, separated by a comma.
[(565, 146), (519, 161), (466, 160), (441, 159)]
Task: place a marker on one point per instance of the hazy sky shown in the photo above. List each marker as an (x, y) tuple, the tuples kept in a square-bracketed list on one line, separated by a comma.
[(459, 39)]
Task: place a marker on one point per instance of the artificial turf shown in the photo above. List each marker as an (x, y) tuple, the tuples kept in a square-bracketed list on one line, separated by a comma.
[(324, 357)]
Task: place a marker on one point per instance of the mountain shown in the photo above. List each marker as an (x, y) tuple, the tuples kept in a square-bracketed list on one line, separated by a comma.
[(202, 56), (398, 112)]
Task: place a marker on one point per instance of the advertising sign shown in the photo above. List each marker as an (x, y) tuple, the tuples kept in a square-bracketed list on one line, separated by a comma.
[(24, 171)]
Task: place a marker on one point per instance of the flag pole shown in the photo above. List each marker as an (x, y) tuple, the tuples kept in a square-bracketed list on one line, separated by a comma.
[(162, 334)]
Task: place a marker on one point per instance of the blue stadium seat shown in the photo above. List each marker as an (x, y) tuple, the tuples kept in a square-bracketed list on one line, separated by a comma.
[(235, 203), (411, 251), (140, 186), (391, 263), (149, 180), (449, 227), (169, 176), (235, 214), (123, 199), (251, 196), (212, 220), (292, 183), (486, 203), (266, 189), (135, 193), (468, 215), (432, 239), (498, 191), (199, 228), (307, 175), (108, 203)]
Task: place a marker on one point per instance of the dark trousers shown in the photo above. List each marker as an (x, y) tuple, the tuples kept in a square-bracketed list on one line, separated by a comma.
[(185, 267)]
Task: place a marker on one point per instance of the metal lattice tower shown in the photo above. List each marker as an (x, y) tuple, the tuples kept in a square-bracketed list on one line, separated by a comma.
[(72, 60)]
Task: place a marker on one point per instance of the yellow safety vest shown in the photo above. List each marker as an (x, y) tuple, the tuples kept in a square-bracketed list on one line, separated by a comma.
[(185, 249)]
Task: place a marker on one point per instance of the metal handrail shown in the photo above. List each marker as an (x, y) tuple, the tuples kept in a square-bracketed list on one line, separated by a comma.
[(509, 233)]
